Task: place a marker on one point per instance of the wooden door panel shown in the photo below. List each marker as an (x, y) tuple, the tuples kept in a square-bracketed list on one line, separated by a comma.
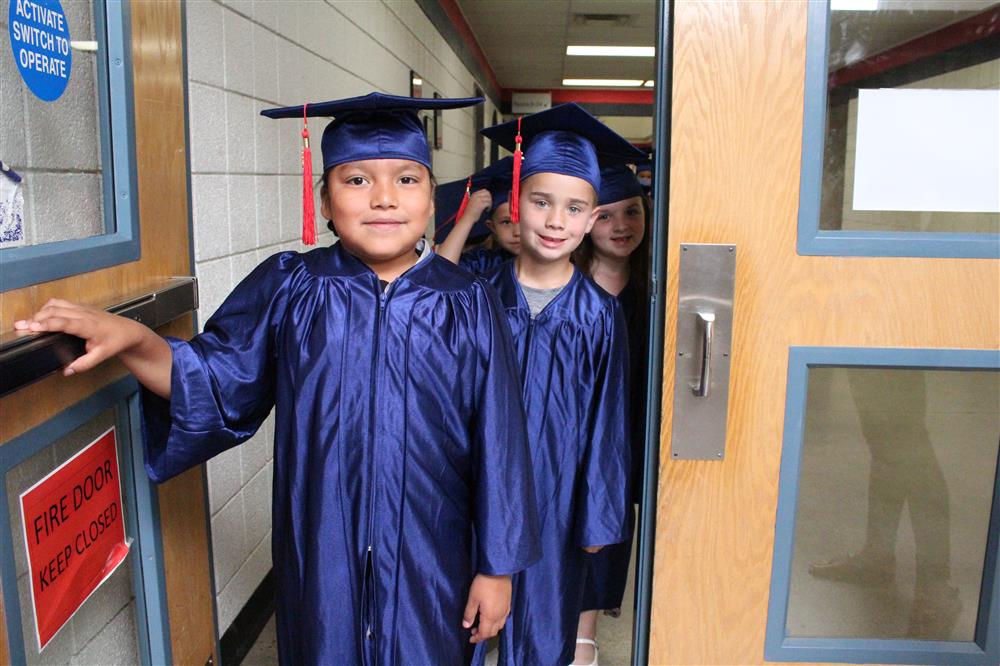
[(738, 71), (161, 161)]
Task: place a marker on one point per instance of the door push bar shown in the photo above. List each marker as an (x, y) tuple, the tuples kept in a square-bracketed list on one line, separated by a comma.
[(26, 358)]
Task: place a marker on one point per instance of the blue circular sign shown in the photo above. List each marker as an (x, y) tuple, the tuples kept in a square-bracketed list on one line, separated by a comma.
[(39, 38)]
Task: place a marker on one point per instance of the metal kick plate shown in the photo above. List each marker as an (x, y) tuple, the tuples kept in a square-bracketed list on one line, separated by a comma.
[(704, 341)]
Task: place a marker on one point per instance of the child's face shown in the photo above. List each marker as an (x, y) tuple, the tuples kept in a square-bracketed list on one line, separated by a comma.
[(507, 233), (380, 207), (619, 228), (557, 211)]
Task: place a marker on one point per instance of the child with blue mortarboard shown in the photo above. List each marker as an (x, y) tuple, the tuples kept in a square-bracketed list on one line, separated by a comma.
[(571, 342), (476, 209), (615, 254), (389, 462)]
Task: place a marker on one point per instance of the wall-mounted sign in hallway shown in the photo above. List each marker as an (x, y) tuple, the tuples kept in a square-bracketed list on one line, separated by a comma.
[(39, 39), (74, 532)]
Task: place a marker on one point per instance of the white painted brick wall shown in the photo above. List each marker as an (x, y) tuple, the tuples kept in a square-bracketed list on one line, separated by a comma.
[(243, 56)]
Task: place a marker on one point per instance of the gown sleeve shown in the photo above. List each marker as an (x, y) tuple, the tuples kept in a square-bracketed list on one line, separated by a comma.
[(221, 381), (506, 516), (603, 494)]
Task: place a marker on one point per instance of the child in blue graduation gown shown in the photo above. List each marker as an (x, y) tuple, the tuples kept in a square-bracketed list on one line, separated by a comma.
[(389, 462), (483, 209), (615, 254), (570, 341)]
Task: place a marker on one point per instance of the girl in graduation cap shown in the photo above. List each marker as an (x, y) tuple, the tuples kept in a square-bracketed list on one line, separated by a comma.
[(615, 254), (570, 339), (485, 192), (389, 463)]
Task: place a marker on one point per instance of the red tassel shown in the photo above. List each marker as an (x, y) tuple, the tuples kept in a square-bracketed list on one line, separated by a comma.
[(465, 199), (308, 203), (445, 224), (515, 192)]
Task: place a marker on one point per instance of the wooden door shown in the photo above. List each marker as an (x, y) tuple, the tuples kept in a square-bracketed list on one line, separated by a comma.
[(157, 48), (735, 158)]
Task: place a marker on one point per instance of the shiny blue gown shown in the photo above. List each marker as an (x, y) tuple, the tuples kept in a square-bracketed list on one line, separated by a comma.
[(573, 358), (607, 571), (398, 474), (482, 260)]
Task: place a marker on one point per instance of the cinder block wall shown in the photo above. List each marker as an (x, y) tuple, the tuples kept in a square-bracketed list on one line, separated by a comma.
[(245, 55)]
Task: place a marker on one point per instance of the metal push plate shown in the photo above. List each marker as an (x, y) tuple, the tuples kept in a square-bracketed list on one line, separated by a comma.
[(704, 341)]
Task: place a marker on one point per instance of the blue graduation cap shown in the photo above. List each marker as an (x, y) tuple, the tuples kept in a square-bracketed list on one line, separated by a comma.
[(451, 198), (565, 139), (618, 183), (373, 126), (647, 165)]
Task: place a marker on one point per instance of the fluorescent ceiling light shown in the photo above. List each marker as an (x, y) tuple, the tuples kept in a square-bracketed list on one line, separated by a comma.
[(649, 84), (629, 51), (853, 5), (604, 83)]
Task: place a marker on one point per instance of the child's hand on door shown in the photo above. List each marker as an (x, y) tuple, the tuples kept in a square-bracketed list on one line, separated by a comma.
[(144, 353)]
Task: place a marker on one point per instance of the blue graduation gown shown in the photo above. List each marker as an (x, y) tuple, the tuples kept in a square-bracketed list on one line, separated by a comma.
[(573, 359), (482, 260), (389, 462), (607, 570)]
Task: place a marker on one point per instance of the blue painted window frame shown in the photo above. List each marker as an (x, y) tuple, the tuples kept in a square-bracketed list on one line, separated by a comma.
[(823, 242), (142, 512), (33, 264), (778, 646)]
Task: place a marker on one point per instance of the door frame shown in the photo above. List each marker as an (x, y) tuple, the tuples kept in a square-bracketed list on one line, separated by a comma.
[(662, 100), (28, 265), (811, 240), (778, 646)]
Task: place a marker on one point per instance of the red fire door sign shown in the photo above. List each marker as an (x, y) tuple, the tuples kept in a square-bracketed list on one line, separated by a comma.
[(74, 533)]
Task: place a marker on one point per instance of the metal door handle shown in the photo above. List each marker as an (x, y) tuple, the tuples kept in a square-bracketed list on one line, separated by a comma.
[(701, 376), (706, 321)]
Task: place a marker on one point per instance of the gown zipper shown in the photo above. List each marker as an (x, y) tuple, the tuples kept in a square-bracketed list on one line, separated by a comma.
[(368, 586), (369, 575)]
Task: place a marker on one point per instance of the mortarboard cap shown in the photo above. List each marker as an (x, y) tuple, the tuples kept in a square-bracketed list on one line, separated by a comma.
[(374, 126), (646, 165), (565, 139), (451, 198), (617, 184)]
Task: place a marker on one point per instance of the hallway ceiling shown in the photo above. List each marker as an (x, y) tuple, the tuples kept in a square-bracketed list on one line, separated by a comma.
[(525, 40)]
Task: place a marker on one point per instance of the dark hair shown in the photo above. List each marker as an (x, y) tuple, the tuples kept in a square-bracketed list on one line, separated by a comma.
[(638, 261), (490, 242)]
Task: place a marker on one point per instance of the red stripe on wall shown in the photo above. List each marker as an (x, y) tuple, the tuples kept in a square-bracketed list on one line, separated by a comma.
[(593, 95), (454, 13), (964, 32)]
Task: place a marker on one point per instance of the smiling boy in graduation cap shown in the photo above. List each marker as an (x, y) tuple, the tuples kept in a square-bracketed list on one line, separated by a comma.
[(390, 463), (571, 341)]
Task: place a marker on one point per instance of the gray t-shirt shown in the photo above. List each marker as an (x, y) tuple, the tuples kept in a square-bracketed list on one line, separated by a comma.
[(539, 298)]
